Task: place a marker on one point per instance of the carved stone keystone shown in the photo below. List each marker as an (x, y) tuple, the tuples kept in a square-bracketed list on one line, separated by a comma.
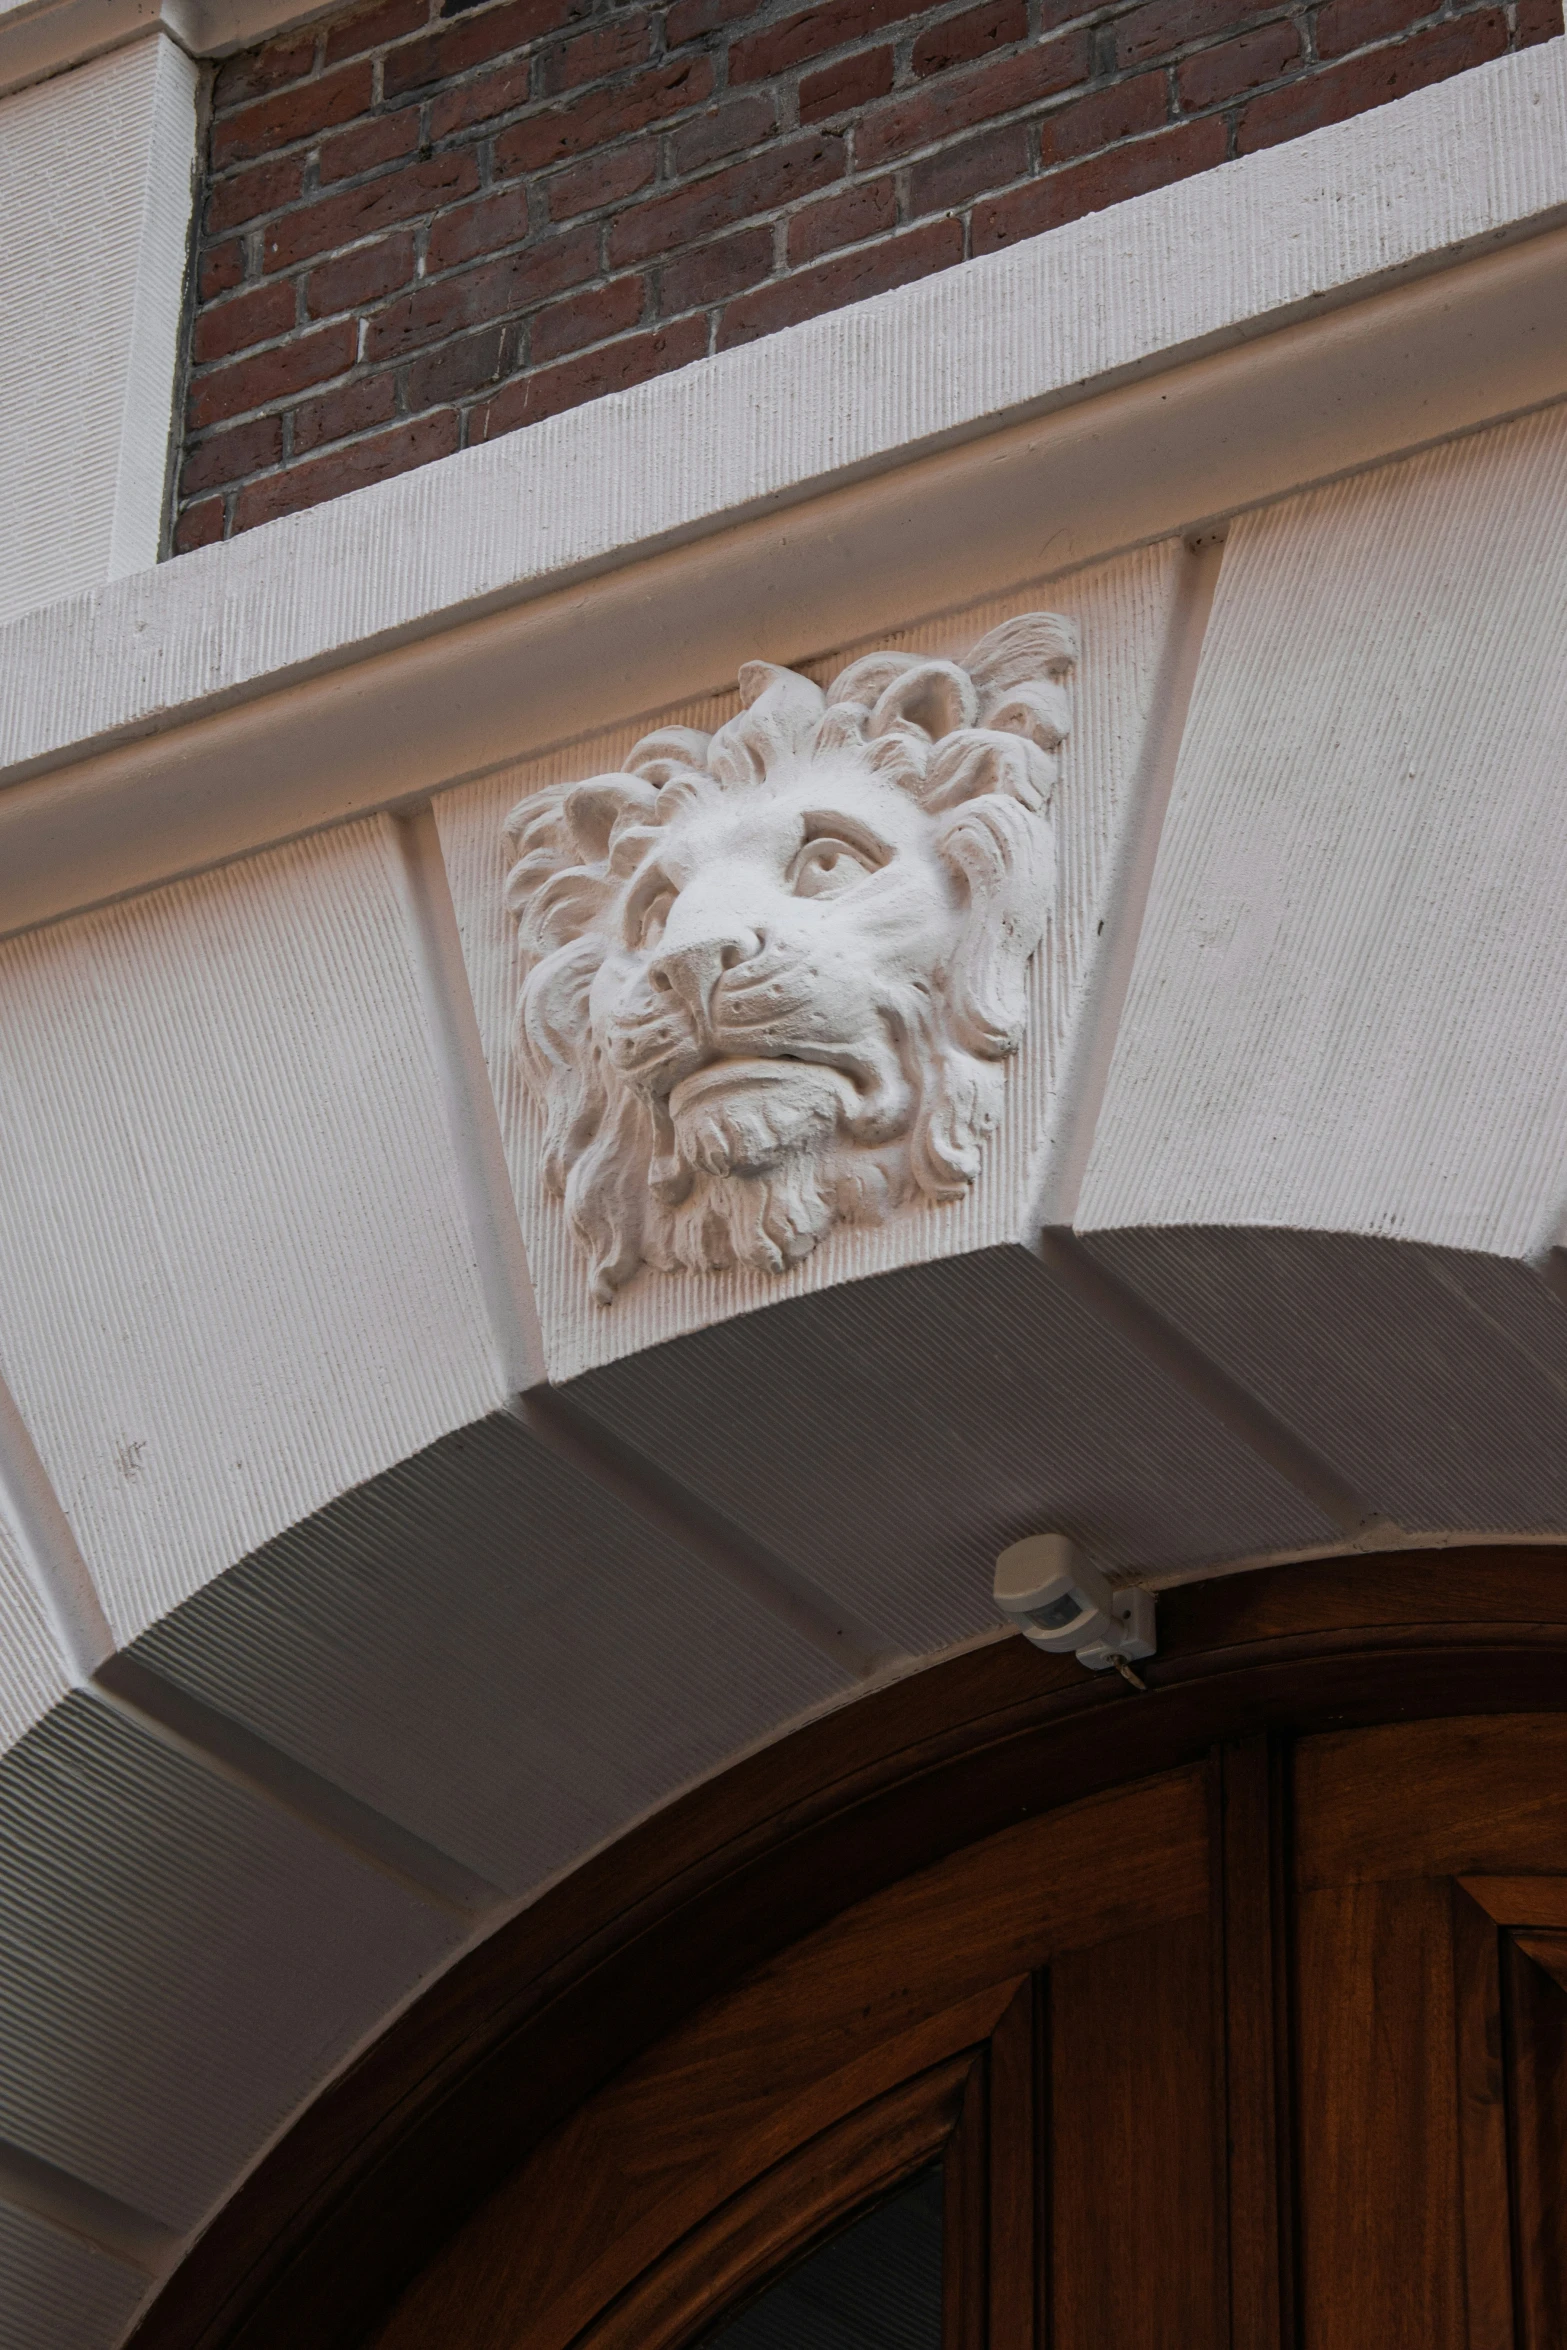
[(770, 975)]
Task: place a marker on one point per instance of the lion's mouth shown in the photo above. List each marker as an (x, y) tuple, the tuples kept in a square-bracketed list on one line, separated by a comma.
[(717, 1078), (739, 1117)]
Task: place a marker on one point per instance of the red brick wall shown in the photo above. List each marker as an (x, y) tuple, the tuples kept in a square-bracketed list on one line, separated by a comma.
[(426, 224)]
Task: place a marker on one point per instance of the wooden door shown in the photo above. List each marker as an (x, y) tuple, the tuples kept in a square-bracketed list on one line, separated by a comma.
[(1431, 2014), (1265, 2053)]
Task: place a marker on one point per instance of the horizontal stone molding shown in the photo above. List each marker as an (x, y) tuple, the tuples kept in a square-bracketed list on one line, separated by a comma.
[(1141, 372), (562, 213), (39, 38), (1152, 284)]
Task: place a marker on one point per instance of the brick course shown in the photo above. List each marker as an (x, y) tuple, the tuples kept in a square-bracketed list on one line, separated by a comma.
[(430, 221)]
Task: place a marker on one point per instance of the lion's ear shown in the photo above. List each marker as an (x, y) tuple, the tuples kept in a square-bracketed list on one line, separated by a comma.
[(865, 680), (593, 810), (937, 697), (1033, 645)]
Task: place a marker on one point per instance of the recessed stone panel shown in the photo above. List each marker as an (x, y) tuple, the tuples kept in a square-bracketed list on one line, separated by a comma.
[(889, 1437), (1350, 993), (180, 1963), (54, 2289), (1434, 1381), (491, 1649), (239, 1279)]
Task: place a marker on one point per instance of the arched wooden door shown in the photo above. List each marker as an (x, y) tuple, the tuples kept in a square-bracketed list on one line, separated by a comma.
[(1267, 2051)]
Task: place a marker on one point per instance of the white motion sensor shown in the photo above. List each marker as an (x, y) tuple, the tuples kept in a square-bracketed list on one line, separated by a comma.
[(1061, 1603)]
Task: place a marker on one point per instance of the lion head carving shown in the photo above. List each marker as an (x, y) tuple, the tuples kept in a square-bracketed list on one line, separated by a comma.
[(770, 976)]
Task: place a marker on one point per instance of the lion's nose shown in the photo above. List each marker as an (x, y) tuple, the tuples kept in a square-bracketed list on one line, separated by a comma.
[(692, 972)]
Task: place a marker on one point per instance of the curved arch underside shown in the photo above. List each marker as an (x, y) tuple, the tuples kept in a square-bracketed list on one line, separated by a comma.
[(306, 1791)]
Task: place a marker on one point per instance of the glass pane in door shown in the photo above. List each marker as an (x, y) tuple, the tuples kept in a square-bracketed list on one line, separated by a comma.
[(877, 2286)]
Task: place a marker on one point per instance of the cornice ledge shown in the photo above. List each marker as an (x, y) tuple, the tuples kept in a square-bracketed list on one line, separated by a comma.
[(1233, 254), (41, 38)]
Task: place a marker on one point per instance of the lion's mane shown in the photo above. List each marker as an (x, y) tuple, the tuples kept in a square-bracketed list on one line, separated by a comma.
[(976, 743)]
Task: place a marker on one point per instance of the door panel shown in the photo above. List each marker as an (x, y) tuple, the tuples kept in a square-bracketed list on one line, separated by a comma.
[(765, 2230), (1431, 2034), (1381, 2255), (1536, 1990), (1481, 2083), (1433, 1799), (1253, 1926), (1134, 2229)]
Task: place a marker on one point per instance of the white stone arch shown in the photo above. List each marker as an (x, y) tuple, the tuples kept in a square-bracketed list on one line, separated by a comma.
[(357, 1582)]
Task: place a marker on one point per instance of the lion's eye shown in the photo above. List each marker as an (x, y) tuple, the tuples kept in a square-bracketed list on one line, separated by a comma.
[(826, 866), (648, 919)]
